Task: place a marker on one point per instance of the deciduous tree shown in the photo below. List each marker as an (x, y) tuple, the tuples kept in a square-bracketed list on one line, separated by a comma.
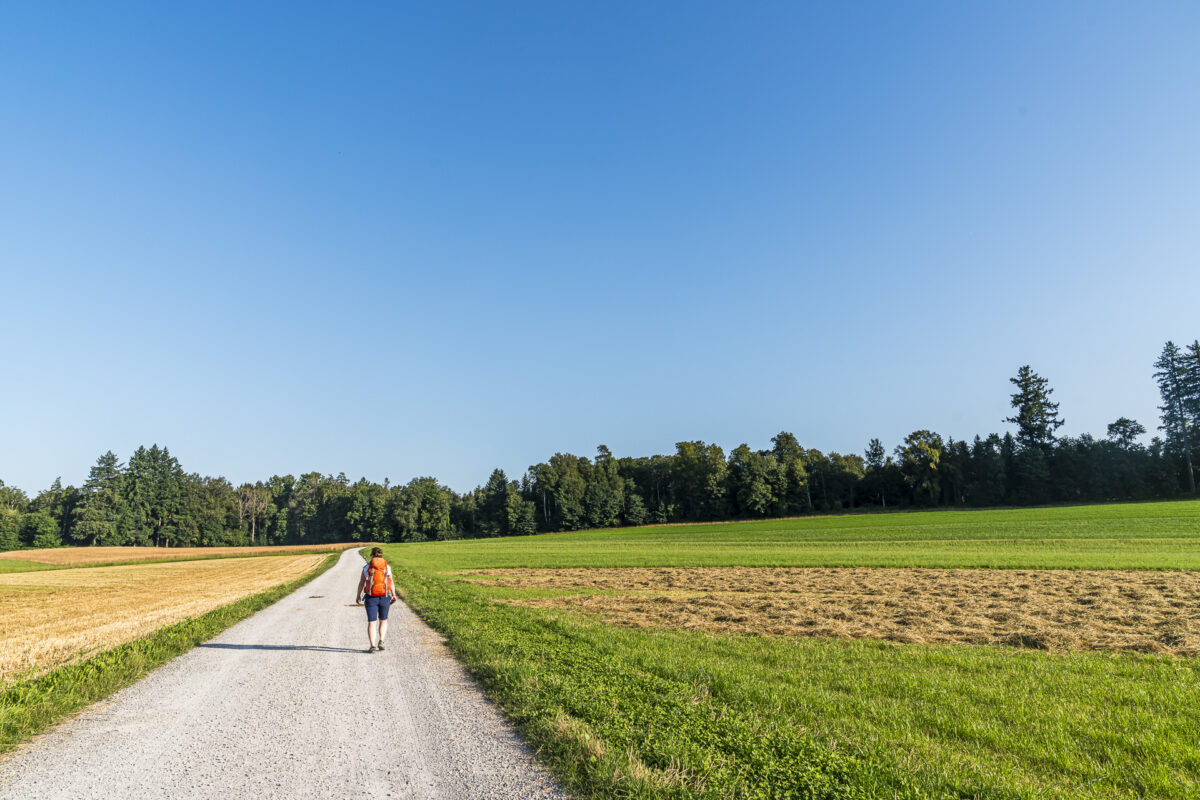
[(1125, 432), (919, 458)]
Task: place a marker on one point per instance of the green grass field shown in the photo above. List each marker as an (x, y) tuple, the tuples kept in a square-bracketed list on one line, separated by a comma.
[(620, 712), (11, 565), (1126, 536)]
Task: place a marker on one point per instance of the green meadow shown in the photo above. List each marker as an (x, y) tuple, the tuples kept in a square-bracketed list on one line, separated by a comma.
[(621, 712), (12, 565)]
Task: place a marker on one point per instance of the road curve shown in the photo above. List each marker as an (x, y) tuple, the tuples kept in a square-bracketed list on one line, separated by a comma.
[(288, 704)]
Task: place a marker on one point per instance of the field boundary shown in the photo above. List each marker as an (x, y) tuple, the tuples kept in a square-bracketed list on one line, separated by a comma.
[(30, 707)]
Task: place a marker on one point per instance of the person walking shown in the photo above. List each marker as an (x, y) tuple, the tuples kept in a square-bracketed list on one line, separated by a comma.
[(377, 592)]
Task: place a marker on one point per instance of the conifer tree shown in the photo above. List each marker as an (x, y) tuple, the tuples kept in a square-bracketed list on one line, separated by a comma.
[(156, 493), (874, 454), (494, 508), (100, 515), (1037, 418), (1171, 374), (1191, 388), (875, 461)]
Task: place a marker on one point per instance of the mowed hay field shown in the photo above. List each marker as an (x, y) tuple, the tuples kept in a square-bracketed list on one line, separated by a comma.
[(48, 618), (90, 556), (1035, 653), (1121, 610)]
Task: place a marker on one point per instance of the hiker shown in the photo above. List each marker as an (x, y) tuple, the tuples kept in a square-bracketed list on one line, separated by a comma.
[(377, 592)]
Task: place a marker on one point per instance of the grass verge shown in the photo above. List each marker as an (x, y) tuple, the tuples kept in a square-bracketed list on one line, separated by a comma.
[(28, 708), (11, 565)]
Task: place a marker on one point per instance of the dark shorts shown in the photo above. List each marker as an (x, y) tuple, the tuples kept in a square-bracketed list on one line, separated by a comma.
[(377, 607)]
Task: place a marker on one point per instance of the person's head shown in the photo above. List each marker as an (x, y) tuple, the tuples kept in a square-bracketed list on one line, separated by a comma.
[(376, 552)]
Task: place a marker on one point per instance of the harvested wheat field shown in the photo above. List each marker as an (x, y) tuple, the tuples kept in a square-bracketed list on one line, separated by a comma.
[(47, 618), (1043, 609), (83, 556)]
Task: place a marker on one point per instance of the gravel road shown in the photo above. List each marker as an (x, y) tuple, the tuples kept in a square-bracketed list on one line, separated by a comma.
[(289, 704)]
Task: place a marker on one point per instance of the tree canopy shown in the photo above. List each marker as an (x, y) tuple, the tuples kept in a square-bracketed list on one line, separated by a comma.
[(152, 500)]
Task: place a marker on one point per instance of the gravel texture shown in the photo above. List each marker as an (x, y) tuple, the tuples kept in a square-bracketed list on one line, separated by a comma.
[(289, 704)]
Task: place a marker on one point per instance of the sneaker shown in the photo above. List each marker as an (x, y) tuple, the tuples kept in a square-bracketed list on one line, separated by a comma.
[(381, 646), (371, 649)]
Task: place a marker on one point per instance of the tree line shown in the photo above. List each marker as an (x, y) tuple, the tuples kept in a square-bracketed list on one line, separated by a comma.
[(151, 500)]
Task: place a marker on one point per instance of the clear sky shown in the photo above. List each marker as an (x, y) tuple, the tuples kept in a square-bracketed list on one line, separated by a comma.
[(432, 239)]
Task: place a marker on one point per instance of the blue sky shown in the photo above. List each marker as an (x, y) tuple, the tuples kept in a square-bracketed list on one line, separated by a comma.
[(398, 240)]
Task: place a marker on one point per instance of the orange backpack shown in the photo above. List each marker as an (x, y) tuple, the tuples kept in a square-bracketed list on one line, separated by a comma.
[(378, 577)]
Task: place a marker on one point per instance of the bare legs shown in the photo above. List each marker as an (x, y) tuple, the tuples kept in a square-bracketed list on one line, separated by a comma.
[(371, 628)]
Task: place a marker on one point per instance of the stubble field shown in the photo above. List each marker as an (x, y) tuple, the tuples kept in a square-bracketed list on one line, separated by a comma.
[(52, 617), (1037, 653)]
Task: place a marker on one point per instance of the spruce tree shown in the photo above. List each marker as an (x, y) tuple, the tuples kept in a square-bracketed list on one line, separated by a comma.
[(876, 460), (100, 517), (157, 493), (875, 455), (1037, 418), (494, 508), (1171, 374), (1191, 388)]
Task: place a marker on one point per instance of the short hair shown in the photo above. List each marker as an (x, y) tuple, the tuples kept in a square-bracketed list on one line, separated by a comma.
[(376, 551)]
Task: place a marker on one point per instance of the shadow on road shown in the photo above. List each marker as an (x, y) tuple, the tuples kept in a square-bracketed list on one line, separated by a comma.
[(316, 647)]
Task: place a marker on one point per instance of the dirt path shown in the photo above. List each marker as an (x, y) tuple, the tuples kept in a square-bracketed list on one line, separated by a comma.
[(288, 704)]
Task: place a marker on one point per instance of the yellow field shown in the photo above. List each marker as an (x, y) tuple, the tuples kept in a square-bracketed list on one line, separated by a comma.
[(82, 556), (47, 618)]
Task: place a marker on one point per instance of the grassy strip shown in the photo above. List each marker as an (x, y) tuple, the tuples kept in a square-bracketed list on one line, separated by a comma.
[(30, 707), (9, 565)]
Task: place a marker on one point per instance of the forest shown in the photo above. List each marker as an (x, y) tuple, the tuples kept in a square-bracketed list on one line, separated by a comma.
[(152, 500)]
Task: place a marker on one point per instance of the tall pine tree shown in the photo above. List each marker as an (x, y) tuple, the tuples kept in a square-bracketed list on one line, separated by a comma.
[(1037, 418), (1174, 387), (156, 491), (100, 518)]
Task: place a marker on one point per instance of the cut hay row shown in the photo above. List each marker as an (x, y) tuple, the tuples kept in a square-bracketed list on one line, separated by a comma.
[(48, 618), (1044, 609), (82, 556)]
